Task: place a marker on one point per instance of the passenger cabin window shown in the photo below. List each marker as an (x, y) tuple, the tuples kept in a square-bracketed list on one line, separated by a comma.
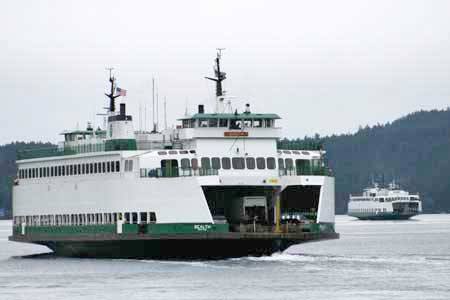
[(238, 163), (250, 161), (281, 164), (206, 163), (185, 163), (260, 163), (194, 163), (226, 164), (215, 161), (223, 123), (289, 163), (203, 123), (271, 163)]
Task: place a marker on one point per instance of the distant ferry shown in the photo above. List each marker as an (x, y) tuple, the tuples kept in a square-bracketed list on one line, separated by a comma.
[(377, 203)]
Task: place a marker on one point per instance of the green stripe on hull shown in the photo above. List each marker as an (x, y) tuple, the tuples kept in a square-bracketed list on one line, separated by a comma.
[(126, 229), (383, 216)]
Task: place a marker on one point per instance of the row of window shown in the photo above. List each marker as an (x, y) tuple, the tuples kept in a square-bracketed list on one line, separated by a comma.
[(87, 219), (367, 210), (387, 199), (74, 169), (240, 163), (231, 124)]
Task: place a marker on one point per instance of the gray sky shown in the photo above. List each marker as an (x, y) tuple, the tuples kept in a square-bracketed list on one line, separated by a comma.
[(323, 66)]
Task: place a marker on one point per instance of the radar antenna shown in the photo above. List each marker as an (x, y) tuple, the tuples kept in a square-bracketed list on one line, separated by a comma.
[(111, 96), (220, 76)]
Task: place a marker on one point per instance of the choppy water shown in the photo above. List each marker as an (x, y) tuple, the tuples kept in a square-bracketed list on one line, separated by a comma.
[(372, 260)]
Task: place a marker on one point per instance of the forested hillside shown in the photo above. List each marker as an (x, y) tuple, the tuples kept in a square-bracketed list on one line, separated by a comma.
[(8, 170), (413, 150)]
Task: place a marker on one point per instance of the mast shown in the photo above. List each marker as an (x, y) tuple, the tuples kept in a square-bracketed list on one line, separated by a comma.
[(153, 105), (111, 96), (220, 76), (165, 113)]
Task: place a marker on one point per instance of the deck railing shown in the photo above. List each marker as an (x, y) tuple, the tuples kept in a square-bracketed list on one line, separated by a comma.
[(307, 171), (59, 151), (177, 172)]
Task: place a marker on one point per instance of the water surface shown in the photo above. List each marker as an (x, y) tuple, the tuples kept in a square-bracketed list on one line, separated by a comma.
[(372, 260)]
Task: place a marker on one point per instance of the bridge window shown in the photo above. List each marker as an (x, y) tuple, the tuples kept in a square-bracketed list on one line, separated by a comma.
[(212, 122), (223, 123), (257, 123), (250, 161)]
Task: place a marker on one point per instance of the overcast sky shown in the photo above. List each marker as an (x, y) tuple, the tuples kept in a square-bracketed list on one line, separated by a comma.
[(323, 66)]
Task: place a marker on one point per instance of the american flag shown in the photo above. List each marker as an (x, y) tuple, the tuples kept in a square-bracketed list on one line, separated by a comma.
[(121, 92)]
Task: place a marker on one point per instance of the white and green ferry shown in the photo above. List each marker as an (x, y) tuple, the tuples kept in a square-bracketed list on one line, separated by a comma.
[(378, 203), (214, 186)]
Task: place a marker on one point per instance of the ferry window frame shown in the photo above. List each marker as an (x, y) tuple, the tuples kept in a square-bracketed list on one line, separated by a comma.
[(223, 122), (91, 168), (213, 123), (289, 163), (260, 163), (250, 162), (173, 152), (152, 217), (95, 168), (205, 163), (126, 219), (226, 163), (162, 152), (281, 164), (270, 163), (79, 169), (194, 163), (63, 168), (48, 171), (238, 163), (108, 167), (117, 166), (184, 152), (215, 163), (143, 217), (134, 218), (185, 165), (257, 123)]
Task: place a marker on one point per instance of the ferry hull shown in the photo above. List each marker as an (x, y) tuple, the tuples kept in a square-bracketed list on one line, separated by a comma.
[(189, 246), (384, 216)]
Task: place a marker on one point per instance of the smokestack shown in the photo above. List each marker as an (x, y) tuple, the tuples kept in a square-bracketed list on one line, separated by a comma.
[(201, 109), (122, 109)]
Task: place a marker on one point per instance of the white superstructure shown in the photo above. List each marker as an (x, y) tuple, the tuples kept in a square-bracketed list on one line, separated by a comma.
[(384, 203), (197, 173)]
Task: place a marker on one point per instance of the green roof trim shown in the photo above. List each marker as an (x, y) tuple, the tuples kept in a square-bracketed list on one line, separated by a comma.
[(231, 116)]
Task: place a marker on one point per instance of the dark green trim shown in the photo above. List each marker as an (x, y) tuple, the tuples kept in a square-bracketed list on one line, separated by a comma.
[(120, 145), (382, 216), (126, 229)]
